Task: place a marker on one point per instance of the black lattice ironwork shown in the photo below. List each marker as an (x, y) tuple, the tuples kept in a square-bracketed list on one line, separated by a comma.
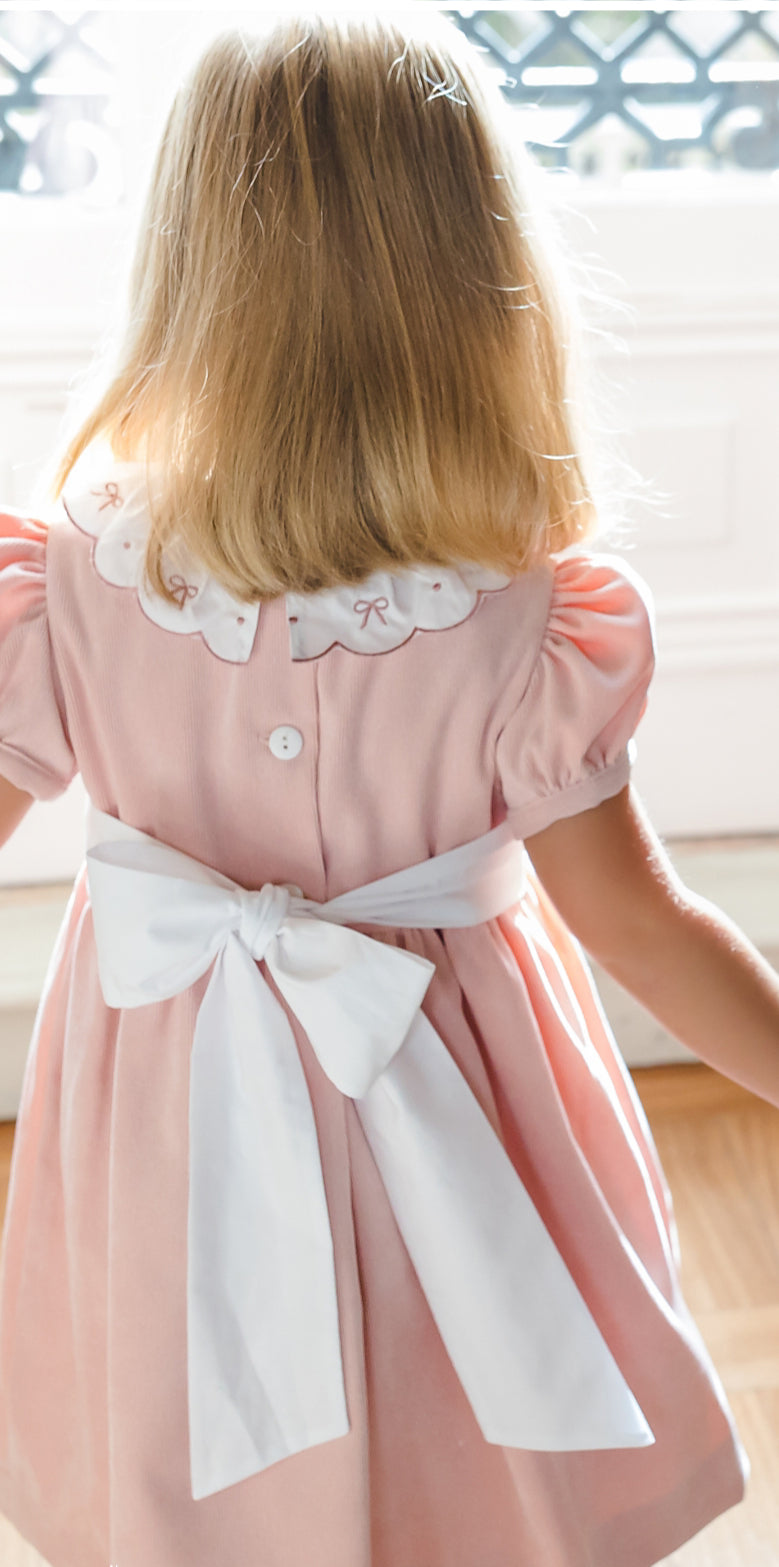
[(603, 91), (597, 91), (56, 99)]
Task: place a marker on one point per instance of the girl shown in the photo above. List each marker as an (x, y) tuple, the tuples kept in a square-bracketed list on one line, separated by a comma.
[(336, 1233)]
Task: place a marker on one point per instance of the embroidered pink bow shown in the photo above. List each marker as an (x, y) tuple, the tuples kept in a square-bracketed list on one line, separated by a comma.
[(111, 490), (367, 605), (182, 590)]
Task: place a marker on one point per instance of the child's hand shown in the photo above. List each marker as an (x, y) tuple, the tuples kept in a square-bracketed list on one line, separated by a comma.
[(611, 880), (14, 804)]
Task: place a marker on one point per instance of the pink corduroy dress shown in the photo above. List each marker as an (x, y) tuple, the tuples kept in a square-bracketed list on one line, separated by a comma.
[(326, 741)]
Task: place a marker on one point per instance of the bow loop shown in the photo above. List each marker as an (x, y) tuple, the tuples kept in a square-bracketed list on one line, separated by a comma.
[(262, 915)]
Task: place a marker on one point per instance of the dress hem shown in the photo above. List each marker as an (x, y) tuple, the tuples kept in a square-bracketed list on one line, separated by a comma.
[(644, 1536)]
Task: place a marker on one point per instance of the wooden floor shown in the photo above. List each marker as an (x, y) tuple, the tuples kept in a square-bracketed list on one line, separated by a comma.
[(719, 1146)]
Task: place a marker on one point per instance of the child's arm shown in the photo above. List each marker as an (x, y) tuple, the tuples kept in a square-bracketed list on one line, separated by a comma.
[(690, 966), (14, 804)]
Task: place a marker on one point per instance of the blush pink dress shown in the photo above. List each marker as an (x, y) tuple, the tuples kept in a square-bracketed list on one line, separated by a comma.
[(420, 715)]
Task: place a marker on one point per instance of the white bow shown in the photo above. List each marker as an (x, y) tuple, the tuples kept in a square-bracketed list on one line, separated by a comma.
[(265, 1374)]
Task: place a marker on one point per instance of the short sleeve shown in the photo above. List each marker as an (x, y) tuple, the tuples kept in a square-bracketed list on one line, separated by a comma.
[(568, 743), (35, 749)]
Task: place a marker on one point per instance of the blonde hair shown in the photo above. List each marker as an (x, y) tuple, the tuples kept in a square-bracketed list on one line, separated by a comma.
[(349, 345)]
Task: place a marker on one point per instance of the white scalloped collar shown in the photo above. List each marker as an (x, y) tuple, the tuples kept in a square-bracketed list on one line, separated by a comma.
[(374, 617)]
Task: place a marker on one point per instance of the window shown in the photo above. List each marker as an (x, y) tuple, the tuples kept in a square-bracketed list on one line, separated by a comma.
[(58, 108), (607, 92)]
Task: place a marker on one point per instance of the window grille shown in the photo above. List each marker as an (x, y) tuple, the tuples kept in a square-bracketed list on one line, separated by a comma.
[(600, 92), (57, 103), (604, 92)]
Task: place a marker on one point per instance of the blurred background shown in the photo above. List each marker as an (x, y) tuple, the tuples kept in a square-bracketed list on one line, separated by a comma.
[(657, 131)]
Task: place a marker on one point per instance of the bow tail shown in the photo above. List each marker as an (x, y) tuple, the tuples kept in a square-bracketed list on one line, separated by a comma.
[(529, 1355), (264, 1359)]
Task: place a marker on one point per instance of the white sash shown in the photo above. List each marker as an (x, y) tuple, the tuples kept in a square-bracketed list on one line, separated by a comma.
[(265, 1375)]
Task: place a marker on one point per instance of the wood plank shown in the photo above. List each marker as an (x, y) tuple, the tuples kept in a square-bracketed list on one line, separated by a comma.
[(744, 1345), (686, 1088), (719, 1147), (7, 1129)]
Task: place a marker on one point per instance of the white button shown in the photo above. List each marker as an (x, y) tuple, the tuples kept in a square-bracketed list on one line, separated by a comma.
[(286, 741), (291, 888)]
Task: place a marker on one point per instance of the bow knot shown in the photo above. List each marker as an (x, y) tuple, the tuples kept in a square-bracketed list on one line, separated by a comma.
[(262, 915)]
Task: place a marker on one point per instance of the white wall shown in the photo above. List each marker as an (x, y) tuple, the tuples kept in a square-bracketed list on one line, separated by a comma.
[(697, 412)]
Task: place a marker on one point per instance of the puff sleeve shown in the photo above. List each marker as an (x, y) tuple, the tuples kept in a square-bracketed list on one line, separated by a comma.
[(568, 743), (35, 749)]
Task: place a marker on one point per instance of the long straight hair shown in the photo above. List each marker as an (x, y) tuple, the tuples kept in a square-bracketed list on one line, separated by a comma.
[(349, 346)]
